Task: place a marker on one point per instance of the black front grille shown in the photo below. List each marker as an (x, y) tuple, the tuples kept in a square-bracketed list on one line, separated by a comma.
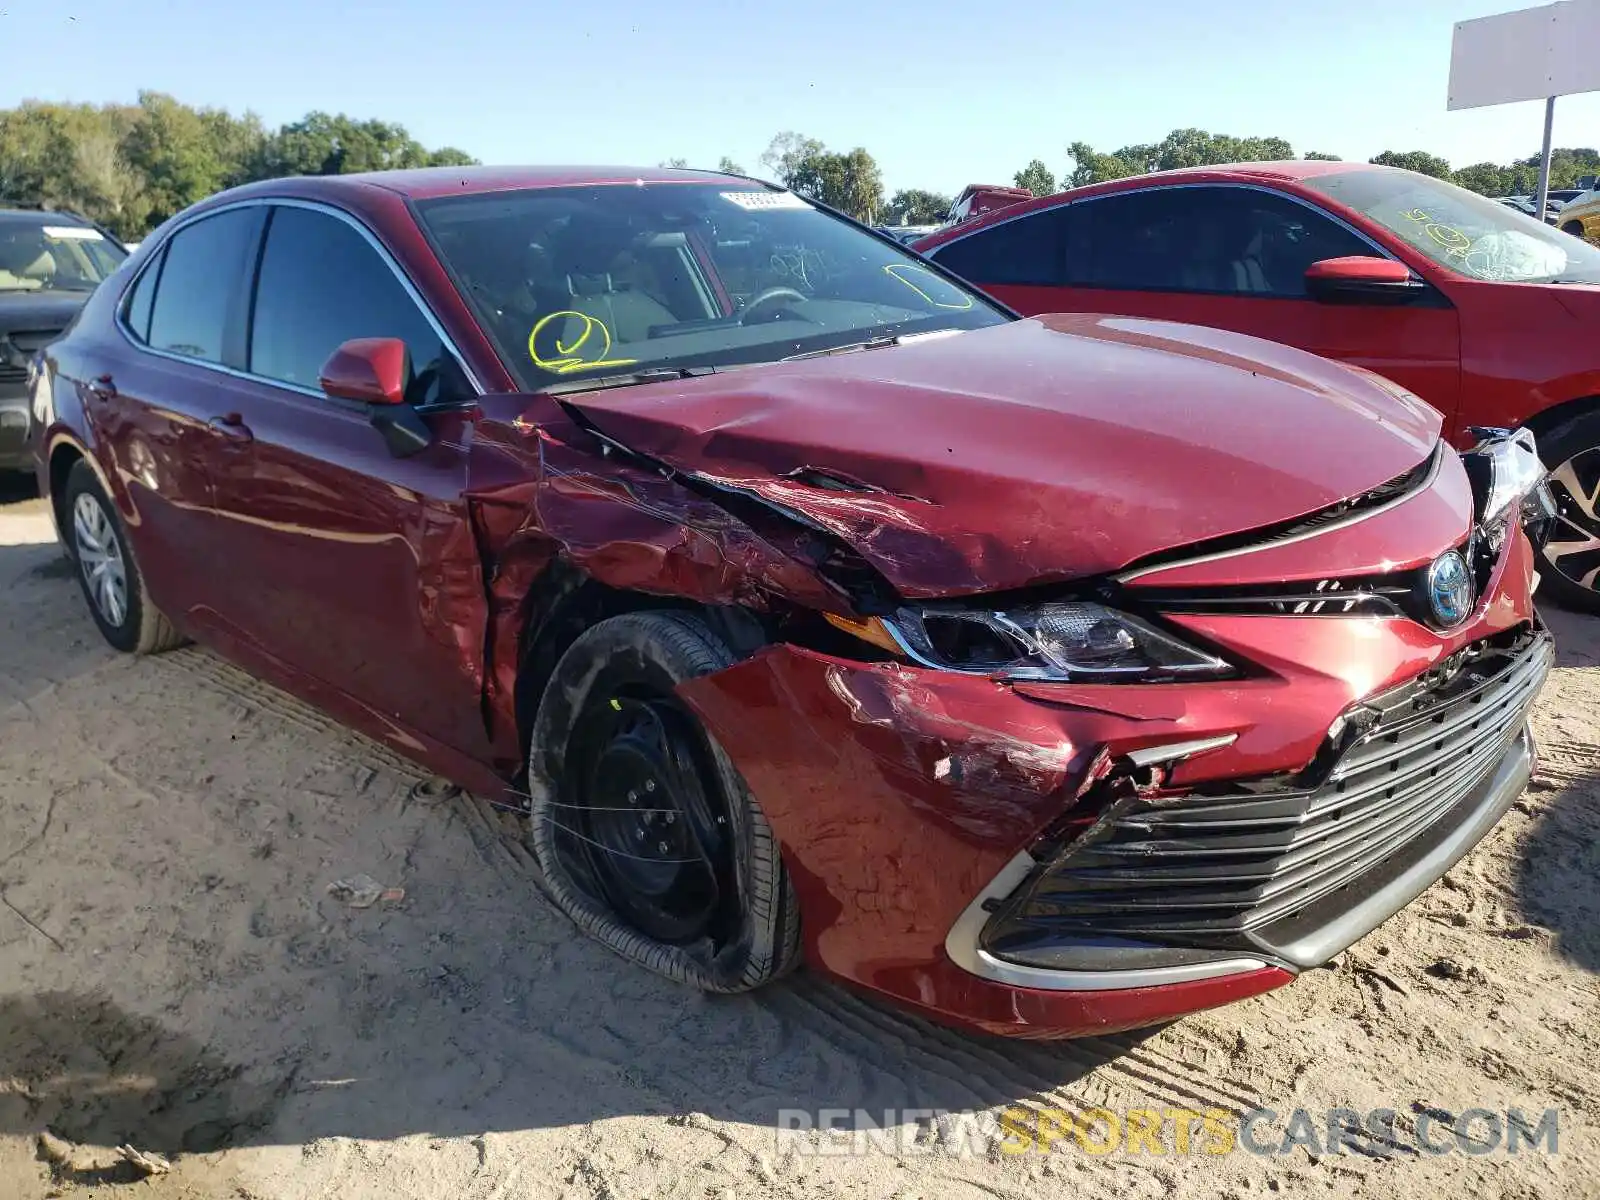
[(1228, 867)]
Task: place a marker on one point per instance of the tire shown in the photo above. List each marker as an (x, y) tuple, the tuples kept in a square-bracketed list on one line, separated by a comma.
[(691, 886), (1575, 228), (1569, 573), (107, 572)]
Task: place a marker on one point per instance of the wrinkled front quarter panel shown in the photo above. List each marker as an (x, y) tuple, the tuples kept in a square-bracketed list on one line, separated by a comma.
[(541, 488)]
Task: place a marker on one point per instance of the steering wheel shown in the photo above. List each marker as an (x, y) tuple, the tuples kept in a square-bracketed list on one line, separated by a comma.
[(768, 302)]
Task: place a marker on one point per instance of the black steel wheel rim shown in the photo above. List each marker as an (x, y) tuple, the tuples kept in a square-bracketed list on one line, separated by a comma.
[(649, 827)]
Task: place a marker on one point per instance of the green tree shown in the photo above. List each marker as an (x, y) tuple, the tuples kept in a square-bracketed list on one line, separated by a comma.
[(327, 144), (1485, 178), (728, 167), (1036, 177), (849, 182), (915, 206), (674, 162), (1319, 156), (790, 153), (1090, 166), (1413, 160)]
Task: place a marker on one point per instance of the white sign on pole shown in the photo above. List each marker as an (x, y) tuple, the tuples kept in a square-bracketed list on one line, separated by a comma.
[(1531, 54)]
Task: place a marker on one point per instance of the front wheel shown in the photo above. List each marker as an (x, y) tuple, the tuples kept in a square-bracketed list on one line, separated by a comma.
[(107, 572), (645, 834), (1569, 565)]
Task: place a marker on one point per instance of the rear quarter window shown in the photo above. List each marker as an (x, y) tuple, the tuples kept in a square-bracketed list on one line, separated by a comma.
[(201, 287), (1024, 251)]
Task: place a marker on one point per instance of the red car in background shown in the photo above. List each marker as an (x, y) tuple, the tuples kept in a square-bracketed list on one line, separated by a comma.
[(1049, 676), (1488, 315)]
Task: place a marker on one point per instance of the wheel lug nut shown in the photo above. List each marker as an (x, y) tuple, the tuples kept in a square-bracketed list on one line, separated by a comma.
[(669, 818), (639, 836), (649, 785), (633, 797), (661, 846)]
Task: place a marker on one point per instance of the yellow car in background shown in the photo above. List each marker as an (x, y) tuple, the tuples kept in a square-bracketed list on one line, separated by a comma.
[(1581, 218)]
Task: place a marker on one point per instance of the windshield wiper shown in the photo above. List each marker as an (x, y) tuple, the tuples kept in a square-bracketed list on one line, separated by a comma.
[(877, 343), (591, 383)]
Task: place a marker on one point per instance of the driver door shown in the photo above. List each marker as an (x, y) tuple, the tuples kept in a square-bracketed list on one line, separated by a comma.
[(354, 568)]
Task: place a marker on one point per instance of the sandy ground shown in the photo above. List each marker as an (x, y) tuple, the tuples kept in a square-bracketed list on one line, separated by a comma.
[(175, 976)]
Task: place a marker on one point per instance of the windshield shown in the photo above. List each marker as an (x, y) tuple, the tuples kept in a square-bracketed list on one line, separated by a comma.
[(1461, 230), (574, 282), (44, 253)]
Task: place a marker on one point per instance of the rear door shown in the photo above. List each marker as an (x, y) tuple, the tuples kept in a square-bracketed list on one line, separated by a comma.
[(1224, 255), (149, 404), (353, 567)]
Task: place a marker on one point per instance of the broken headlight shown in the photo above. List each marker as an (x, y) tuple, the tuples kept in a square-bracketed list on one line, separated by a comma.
[(1072, 641), (1508, 481)]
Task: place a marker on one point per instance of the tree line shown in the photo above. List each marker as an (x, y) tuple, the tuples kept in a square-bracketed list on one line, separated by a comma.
[(131, 166), (851, 181)]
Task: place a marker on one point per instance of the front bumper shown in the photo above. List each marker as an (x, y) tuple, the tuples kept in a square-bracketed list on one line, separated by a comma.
[(915, 806)]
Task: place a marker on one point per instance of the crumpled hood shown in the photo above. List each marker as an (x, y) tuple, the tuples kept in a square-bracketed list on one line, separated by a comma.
[(1039, 450)]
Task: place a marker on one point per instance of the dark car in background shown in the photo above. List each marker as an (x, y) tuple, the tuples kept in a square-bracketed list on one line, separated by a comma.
[(50, 262)]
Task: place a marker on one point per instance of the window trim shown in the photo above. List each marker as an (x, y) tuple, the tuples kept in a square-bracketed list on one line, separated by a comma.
[(159, 255), (1379, 250)]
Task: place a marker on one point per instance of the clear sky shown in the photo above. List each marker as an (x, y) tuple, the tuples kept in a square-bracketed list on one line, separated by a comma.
[(942, 92)]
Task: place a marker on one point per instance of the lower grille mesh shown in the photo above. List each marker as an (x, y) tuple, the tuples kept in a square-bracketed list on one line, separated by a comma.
[(1218, 869)]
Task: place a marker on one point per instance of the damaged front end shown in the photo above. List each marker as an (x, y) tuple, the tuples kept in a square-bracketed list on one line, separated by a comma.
[(984, 812)]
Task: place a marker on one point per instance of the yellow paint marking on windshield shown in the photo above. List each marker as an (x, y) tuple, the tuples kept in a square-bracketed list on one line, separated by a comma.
[(570, 360), (1448, 236), (893, 270)]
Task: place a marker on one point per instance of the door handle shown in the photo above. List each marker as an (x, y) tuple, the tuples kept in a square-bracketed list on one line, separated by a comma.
[(102, 387), (232, 426)]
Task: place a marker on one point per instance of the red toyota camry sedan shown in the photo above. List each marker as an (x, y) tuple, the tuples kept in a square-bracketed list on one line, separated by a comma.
[(1483, 312), (1050, 676)]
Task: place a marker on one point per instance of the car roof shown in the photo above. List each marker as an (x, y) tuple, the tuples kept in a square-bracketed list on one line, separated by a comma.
[(13, 209), (426, 183)]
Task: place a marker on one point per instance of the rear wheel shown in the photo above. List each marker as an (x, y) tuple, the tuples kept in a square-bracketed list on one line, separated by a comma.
[(644, 832), (1570, 561), (1575, 228), (107, 571)]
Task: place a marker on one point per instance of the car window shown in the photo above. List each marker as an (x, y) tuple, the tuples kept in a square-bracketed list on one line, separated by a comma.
[(1462, 231), (1026, 250), (1226, 240), (570, 281), (321, 283), (201, 280), (141, 298), (47, 252)]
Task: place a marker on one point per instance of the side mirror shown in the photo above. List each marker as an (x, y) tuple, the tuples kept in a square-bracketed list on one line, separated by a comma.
[(377, 372), (1362, 279), (368, 371)]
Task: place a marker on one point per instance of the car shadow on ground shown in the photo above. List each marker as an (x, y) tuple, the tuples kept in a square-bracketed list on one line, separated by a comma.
[(1558, 879), (16, 486)]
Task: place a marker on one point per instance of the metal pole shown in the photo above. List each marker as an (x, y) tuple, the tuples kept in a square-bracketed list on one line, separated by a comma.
[(1544, 160)]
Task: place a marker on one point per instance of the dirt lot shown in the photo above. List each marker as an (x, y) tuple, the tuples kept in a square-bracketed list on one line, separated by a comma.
[(174, 975)]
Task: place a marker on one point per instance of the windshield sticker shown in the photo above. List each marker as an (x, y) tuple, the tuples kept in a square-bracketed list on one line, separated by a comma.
[(930, 286), (585, 347), (71, 233), (759, 201)]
